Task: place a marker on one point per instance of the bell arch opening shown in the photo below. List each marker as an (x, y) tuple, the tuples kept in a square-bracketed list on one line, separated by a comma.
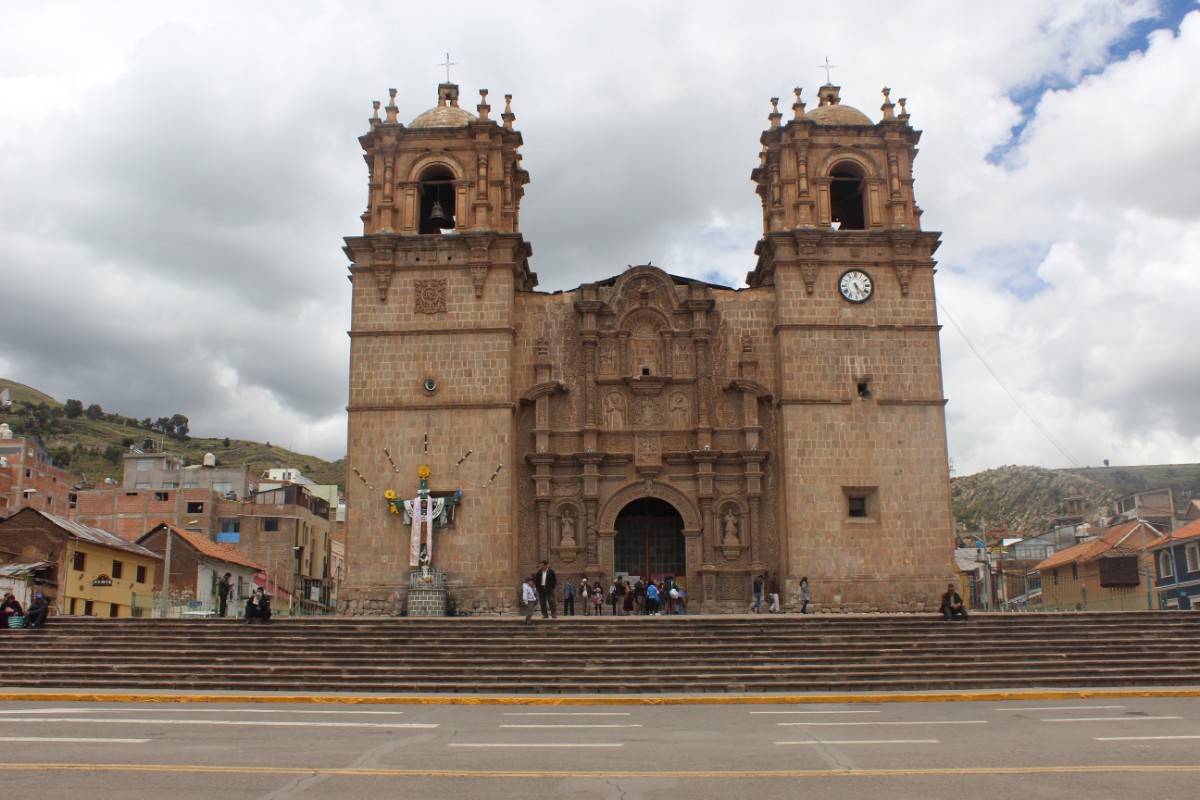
[(847, 196), (437, 200), (650, 542)]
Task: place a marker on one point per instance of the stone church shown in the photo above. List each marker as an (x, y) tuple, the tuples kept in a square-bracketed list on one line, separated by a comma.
[(649, 424)]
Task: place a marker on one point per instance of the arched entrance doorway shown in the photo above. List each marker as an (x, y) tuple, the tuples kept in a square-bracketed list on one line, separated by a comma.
[(650, 542)]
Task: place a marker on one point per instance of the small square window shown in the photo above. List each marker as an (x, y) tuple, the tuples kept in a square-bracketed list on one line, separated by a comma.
[(858, 506), (116, 570), (270, 524), (862, 502), (141, 574), (195, 507), (79, 561), (162, 497)]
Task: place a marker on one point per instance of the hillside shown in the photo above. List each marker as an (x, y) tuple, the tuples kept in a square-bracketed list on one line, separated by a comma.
[(91, 444), (1025, 500)]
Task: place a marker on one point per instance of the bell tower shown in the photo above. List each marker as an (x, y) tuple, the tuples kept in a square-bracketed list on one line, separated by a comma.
[(434, 276), (860, 399)]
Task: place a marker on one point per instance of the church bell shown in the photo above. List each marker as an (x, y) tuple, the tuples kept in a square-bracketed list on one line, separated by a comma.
[(438, 218)]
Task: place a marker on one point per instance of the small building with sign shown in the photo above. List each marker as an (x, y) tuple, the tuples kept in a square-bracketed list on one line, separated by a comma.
[(94, 572)]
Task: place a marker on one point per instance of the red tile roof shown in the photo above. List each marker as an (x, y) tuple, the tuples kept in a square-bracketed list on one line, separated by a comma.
[(1118, 540), (220, 551), (1189, 531)]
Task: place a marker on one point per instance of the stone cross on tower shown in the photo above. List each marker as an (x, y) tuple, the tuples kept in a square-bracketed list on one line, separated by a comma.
[(448, 64), (826, 66)]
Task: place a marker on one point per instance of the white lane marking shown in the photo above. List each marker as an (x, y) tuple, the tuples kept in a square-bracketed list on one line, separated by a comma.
[(70, 740), (46, 711), (572, 725), (906, 722), (567, 713), (814, 713), (1062, 708), (1139, 738), (868, 741), (530, 744), (1107, 719), (254, 722)]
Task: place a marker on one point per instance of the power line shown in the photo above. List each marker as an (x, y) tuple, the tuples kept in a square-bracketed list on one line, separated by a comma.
[(1007, 390)]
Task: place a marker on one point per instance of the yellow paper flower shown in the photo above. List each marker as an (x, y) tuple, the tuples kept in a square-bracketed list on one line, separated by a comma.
[(390, 495), (392, 508), (423, 471)]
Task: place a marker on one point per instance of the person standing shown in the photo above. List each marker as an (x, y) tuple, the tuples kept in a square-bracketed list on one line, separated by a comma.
[(756, 606), (569, 598), (224, 587), (773, 593), (804, 596), (529, 599), (652, 599), (598, 599), (585, 596), (546, 582)]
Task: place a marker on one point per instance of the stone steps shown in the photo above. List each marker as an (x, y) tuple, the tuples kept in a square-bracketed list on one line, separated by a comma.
[(789, 654)]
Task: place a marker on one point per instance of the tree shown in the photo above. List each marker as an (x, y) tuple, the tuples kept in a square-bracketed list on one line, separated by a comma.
[(94, 412), (177, 426), (73, 409), (114, 454)]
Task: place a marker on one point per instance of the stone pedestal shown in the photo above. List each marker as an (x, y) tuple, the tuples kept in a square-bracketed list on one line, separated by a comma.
[(427, 594)]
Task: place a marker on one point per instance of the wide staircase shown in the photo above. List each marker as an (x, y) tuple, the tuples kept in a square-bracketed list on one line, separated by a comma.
[(623, 655)]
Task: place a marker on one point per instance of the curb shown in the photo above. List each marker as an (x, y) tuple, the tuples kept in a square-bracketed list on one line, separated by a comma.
[(604, 700)]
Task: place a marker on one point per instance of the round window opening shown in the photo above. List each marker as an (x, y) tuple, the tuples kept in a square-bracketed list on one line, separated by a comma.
[(430, 385)]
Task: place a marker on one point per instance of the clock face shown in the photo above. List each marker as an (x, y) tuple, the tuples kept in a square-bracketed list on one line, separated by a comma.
[(856, 286)]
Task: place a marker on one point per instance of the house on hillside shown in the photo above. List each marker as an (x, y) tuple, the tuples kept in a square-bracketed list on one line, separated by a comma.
[(1177, 566), (94, 572), (29, 478), (197, 563), (1106, 572), (1155, 506)]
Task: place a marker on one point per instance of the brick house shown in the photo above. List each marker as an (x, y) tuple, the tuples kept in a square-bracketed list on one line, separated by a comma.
[(197, 564), (94, 572), (28, 477)]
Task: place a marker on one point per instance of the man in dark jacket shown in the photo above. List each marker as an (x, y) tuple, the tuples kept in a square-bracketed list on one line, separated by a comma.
[(952, 604), (223, 589), (545, 581), (35, 615)]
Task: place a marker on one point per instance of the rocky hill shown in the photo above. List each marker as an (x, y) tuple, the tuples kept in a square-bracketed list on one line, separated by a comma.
[(1026, 500), (91, 442)]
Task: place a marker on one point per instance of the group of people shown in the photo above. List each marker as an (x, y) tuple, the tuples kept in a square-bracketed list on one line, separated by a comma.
[(32, 617), (772, 592), (539, 591)]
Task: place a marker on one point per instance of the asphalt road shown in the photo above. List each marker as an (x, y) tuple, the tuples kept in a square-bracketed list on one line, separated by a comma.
[(1095, 748)]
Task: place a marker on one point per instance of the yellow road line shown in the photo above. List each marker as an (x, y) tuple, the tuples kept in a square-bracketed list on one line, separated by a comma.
[(603, 700), (559, 774)]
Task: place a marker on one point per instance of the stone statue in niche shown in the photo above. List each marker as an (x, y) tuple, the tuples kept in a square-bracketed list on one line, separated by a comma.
[(731, 528), (567, 526), (683, 357), (679, 410), (614, 411), (608, 360)]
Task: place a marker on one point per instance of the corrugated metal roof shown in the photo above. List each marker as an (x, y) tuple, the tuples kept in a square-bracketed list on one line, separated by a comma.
[(14, 570), (87, 533)]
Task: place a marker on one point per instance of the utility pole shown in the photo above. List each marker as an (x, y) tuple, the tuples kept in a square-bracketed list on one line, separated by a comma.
[(166, 590)]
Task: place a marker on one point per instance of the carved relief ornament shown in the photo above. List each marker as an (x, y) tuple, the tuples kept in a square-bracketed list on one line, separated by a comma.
[(429, 296)]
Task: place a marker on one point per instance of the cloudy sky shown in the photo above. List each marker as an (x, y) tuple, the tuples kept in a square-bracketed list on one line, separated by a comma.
[(176, 179)]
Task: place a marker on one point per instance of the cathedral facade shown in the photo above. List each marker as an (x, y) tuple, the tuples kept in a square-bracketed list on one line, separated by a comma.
[(648, 424)]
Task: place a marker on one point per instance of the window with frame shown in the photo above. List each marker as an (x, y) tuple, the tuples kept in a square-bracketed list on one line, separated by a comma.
[(270, 524), (862, 502), (195, 507), (117, 568), (141, 574), (1164, 564), (162, 497), (79, 561), (1192, 552)]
